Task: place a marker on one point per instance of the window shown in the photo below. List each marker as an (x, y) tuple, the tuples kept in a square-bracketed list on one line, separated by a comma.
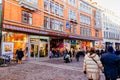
[(51, 23), (64, 0), (56, 9), (104, 34), (61, 11), (26, 17), (61, 26), (97, 34), (72, 15), (30, 18), (84, 7), (46, 22), (46, 4), (71, 28), (89, 32), (51, 7), (85, 31), (85, 19), (74, 29), (72, 3), (81, 31)]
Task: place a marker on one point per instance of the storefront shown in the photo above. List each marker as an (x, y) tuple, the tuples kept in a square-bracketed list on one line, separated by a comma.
[(67, 44), (108, 44), (39, 46), (18, 40), (117, 46), (99, 45), (36, 46)]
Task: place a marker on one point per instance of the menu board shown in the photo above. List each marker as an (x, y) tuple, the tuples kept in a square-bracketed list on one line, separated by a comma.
[(7, 49)]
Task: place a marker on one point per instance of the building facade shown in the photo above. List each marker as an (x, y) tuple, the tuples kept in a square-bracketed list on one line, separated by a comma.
[(110, 29), (37, 26)]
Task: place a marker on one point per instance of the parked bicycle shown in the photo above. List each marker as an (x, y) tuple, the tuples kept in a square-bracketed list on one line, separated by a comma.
[(5, 60)]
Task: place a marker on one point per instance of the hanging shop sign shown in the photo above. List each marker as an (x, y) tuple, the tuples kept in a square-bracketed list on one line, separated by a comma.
[(67, 24), (7, 49)]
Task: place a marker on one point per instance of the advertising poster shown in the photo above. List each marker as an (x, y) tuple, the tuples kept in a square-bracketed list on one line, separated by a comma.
[(67, 44), (7, 49)]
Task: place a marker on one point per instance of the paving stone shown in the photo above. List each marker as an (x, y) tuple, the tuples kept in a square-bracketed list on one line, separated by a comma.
[(46, 69)]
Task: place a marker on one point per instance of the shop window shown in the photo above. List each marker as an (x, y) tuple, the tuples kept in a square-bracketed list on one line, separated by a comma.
[(19, 40), (26, 17)]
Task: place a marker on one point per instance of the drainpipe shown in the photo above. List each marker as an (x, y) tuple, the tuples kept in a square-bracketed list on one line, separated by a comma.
[(1, 25)]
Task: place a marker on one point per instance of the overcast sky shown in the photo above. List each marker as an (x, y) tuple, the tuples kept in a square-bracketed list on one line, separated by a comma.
[(113, 5)]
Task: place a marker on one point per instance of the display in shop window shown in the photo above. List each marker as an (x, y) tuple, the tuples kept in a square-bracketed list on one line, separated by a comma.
[(7, 49)]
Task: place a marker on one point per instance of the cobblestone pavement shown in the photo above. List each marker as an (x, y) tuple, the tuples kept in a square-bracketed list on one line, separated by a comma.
[(44, 69)]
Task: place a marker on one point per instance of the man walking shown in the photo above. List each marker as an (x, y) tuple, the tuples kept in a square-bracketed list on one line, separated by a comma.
[(111, 64)]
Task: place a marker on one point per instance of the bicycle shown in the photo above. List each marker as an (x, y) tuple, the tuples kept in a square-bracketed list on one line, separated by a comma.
[(5, 60)]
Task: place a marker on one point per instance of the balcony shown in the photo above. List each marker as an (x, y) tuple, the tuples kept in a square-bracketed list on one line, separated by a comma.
[(29, 4), (73, 21), (97, 28)]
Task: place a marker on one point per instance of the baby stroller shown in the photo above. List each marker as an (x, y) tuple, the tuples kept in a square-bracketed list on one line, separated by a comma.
[(67, 58)]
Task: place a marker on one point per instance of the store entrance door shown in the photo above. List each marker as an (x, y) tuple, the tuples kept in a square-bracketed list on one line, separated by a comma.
[(34, 50)]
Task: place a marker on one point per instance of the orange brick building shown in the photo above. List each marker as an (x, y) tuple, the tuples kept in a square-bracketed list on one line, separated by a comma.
[(37, 26)]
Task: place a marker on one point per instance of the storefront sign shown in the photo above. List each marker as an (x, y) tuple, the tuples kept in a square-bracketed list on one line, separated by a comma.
[(23, 29), (7, 49), (58, 34), (81, 37)]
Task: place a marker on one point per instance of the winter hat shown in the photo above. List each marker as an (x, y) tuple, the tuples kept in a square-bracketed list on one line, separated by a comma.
[(110, 49)]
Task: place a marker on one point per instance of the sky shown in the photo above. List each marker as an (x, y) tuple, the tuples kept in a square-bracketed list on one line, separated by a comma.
[(113, 5)]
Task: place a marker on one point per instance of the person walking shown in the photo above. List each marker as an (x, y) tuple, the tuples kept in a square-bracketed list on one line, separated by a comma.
[(20, 55), (77, 55), (111, 63), (50, 54), (92, 65)]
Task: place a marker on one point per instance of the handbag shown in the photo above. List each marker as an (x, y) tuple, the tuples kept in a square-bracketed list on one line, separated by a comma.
[(98, 65)]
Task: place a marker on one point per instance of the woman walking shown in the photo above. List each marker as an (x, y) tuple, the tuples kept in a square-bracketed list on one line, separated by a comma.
[(92, 65)]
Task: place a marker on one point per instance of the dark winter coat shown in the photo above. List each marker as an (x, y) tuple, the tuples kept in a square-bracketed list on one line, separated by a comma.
[(20, 54), (111, 64)]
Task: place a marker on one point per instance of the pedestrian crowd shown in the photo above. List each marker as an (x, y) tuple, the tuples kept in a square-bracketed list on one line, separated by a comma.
[(108, 62), (95, 61)]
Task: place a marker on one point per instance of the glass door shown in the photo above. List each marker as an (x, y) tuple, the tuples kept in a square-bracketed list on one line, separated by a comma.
[(34, 52)]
